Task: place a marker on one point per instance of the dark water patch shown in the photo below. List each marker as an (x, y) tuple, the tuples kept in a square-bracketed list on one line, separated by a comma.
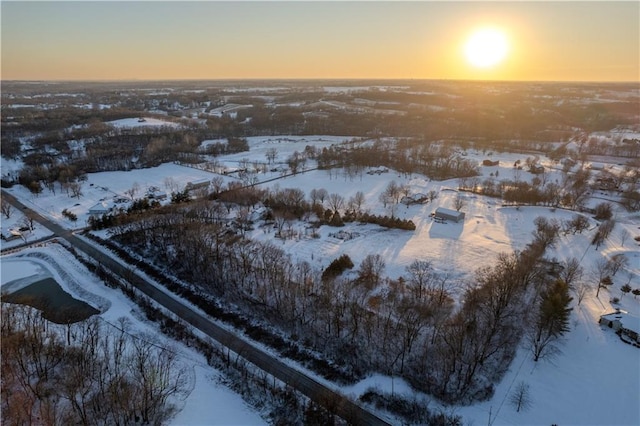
[(56, 305)]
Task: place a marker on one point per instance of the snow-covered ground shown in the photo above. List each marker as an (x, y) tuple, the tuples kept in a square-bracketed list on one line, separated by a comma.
[(594, 380), (284, 146), (139, 122)]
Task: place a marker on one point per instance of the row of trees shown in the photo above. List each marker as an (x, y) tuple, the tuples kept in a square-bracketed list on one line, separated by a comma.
[(572, 191), (435, 159)]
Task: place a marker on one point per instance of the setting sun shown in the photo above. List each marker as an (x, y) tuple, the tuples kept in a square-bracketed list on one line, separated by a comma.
[(486, 47)]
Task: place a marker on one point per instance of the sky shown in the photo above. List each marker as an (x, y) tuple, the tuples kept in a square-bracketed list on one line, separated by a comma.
[(150, 40)]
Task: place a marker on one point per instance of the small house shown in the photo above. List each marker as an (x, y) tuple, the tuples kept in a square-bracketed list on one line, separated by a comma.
[(625, 325), (10, 234), (443, 214), (489, 163)]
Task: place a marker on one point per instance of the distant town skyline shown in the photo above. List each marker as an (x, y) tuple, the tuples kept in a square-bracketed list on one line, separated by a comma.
[(150, 40)]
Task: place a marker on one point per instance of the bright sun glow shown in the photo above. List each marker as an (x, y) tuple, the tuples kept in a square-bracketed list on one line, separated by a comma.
[(486, 47)]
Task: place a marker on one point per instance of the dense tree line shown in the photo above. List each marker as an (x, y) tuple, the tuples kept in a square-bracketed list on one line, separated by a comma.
[(231, 146), (412, 329)]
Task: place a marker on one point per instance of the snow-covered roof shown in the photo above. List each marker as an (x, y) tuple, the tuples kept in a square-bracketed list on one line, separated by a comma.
[(449, 212), (628, 321), (101, 207), (198, 181)]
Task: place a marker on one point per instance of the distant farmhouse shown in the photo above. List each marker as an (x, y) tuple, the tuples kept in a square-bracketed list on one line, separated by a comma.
[(625, 325), (490, 163), (441, 215)]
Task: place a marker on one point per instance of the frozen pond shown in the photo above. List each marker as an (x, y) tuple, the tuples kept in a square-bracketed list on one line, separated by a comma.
[(42, 292)]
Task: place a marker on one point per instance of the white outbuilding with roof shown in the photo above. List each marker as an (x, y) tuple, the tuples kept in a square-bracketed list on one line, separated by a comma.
[(444, 214), (626, 325), (99, 209)]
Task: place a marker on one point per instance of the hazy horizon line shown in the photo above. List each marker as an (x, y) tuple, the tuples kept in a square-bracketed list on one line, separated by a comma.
[(301, 79)]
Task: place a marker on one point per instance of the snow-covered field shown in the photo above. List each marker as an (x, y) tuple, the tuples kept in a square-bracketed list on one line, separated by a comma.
[(595, 380), (284, 146), (139, 122)]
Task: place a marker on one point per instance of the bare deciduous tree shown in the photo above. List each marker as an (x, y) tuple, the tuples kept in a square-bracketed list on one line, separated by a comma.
[(358, 201), (459, 203), (600, 271), (6, 208), (76, 189), (581, 289), (624, 236), (28, 222), (170, 184), (617, 262), (318, 195), (336, 202), (421, 277), (271, 154), (371, 270), (520, 398), (571, 272), (603, 232), (217, 182), (131, 192)]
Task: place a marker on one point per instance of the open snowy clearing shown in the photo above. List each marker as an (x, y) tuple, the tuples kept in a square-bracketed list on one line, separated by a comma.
[(141, 122), (284, 146)]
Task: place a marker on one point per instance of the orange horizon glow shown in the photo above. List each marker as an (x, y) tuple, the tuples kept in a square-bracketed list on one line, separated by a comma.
[(317, 40)]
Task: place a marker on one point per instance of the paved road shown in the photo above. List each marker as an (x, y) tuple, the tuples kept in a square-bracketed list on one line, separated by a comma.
[(322, 395)]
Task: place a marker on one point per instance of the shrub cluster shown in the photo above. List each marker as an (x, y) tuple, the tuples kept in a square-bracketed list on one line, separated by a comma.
[(143, 204), (102, 222), (386, 221), (69, 215), (337, 267)]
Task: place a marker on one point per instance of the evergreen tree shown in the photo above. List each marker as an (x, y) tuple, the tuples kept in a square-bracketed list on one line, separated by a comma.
[(551, 320)]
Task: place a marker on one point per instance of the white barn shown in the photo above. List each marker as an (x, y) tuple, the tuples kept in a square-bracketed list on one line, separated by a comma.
[(447, 214)]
